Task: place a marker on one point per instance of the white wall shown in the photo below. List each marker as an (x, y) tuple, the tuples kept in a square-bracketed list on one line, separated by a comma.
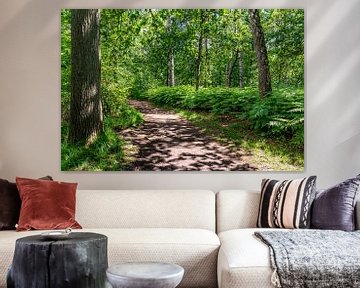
[(30, 94)]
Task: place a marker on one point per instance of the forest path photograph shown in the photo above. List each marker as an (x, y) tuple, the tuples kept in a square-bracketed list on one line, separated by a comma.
[(182, 90), (166, 141)]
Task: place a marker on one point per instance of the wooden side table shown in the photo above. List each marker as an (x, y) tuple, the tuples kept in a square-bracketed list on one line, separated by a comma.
[(145, 275), (78, 261)]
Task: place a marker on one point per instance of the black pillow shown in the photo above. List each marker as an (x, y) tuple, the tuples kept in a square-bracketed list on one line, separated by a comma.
[(10, 204), (334, 208)]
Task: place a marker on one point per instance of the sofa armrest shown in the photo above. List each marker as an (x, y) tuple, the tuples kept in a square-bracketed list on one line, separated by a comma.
[(357, 215)]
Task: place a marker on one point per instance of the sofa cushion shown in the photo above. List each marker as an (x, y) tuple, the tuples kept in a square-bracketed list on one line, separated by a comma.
[(286, 204), (153, 209), (244, 261), (334, 208), (194, 249), (10, 204), (46, 204)]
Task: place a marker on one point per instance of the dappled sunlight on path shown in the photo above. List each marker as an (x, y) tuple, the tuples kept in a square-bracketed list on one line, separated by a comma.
[(166, 141)]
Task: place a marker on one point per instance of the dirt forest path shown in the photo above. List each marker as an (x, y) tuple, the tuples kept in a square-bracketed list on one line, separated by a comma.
[(166, 141)]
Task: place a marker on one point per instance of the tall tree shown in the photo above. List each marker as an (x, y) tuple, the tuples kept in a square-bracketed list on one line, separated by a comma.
[(230, 68), (207, 62), (171, 60), (241, 69), (171, 68), (207, 35), (261, 53), (86, 116), (199, 52)]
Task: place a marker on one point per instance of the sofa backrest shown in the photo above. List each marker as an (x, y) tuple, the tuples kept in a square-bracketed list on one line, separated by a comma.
[(236, 209), (239, 209), (146, 209)]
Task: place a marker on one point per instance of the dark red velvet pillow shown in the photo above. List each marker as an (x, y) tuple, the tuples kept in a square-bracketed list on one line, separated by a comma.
[(46, 204), (10, 204)]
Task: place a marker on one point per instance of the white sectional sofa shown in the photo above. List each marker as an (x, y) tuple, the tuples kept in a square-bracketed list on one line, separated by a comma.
[(154, 225), (243, 260), (177, 226)]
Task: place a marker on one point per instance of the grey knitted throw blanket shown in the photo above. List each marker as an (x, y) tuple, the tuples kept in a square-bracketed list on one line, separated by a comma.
[(313, 258)]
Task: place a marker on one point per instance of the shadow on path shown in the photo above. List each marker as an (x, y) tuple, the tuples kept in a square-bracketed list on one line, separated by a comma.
[(166, 141)]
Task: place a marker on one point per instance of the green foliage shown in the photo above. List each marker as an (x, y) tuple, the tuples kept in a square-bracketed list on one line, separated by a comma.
[(217, 100), (169, 96), (114, 97), (224, 100), (65, 64), (116, 108), (128, 116), (278, 115), (105, 154), (284, 31), (139, 41)]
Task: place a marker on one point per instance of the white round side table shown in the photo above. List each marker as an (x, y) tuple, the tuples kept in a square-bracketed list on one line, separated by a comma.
[(145, 275)]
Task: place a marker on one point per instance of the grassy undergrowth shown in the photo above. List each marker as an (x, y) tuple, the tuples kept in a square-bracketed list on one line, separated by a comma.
[(106, 153), (266, 153)]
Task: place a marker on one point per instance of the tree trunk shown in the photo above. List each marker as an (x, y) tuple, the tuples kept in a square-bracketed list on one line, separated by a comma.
[(171, 68), (200, 47), (231, 68), (198, 64), (171, 60), (86, 115), (207, 63), (226, 76), (261, 53), (207, 46), (241, 69), (79, 261)]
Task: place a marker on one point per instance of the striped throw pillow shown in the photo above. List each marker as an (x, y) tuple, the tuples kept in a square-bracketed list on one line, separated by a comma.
[(286, 204)]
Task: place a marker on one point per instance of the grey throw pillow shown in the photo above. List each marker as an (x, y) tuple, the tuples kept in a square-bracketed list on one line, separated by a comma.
[(334, 208)]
